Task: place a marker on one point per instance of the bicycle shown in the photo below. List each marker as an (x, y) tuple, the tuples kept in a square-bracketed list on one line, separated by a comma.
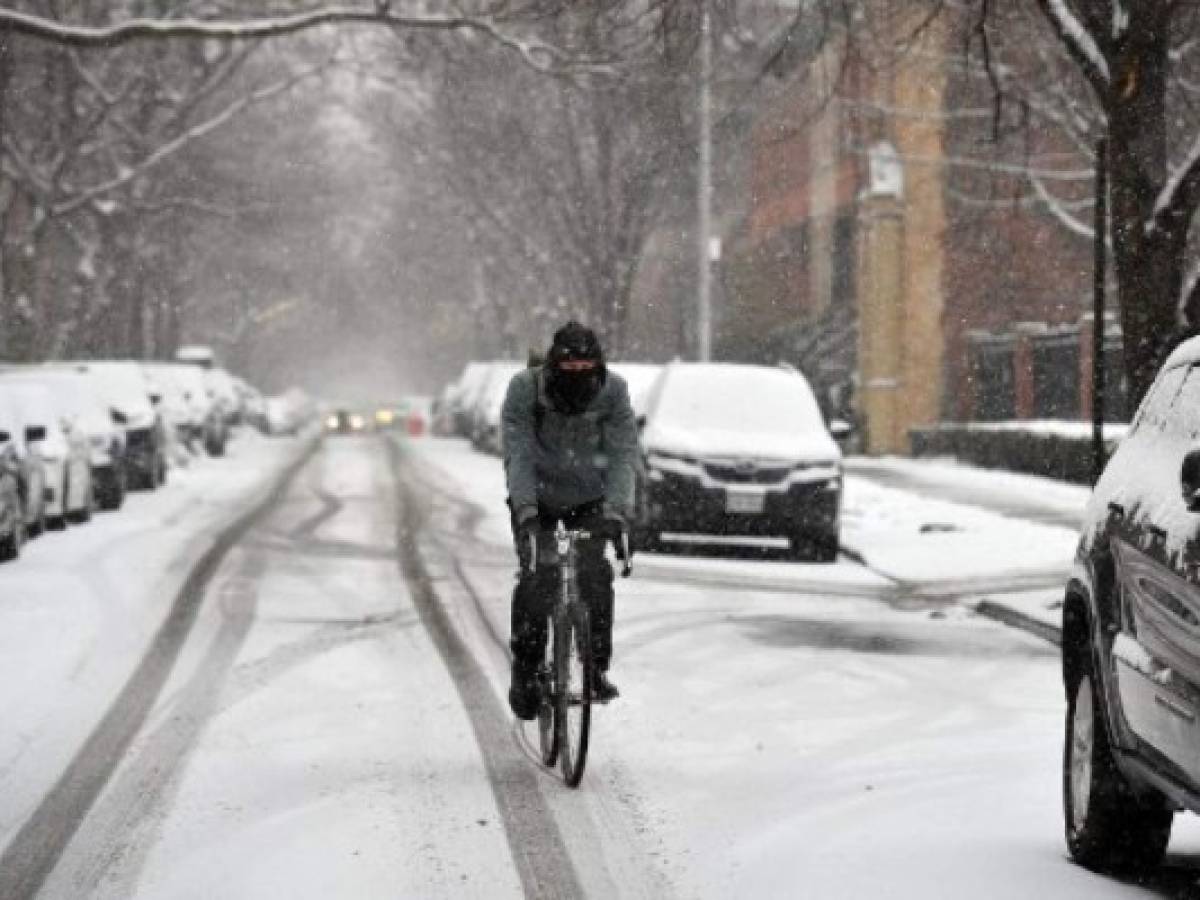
[(565, 675)]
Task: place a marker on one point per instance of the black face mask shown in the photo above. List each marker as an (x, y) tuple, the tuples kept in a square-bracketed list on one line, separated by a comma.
[(573, 392)]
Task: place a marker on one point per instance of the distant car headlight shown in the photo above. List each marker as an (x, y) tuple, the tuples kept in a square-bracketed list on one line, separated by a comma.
[(385, 417), (332, 423), (356, 422)]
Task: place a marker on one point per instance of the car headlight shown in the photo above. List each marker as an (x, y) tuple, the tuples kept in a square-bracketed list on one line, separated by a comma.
[(356, 422), (665, 458)]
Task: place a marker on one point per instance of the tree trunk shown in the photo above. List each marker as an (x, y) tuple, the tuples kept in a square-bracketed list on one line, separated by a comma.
[(1149, 261)]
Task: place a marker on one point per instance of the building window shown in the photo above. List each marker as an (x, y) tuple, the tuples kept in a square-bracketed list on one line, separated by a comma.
[(991, 367), (1055, 360)]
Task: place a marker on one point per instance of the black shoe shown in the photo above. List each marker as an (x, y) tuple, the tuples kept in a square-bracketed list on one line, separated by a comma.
[(524, 696), (603, 690)]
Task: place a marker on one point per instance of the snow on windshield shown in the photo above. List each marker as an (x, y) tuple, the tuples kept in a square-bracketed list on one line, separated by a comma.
[(739, 399)]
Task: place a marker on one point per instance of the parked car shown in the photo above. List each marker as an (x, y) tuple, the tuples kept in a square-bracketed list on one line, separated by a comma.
[(89, 415), (224, 392), (12, 512), (640, 377), (1131, 635), (487, 433), (31, 476), (124, 387), (179, 417), (288, 412), (63, 451), (206, 426), (738, 450), (460, 398)]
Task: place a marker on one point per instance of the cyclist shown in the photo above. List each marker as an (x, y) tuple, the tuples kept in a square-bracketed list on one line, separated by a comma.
[(570, 447)]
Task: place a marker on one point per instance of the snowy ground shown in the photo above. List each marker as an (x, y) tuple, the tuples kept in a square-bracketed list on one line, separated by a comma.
[(79, 608), (334, 728)]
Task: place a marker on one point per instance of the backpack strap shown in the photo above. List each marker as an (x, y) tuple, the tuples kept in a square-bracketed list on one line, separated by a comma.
[(539, 408)]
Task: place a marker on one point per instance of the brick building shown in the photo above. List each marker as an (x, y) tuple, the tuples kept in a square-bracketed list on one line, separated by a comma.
[(867, 258)]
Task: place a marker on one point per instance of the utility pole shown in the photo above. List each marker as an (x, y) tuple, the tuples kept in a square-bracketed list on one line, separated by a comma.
[(704, 192)]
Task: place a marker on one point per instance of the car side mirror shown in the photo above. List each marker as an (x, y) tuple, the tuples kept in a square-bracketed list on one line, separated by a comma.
[(35, 433), (119, 417), (1189, 477), (840, 429)]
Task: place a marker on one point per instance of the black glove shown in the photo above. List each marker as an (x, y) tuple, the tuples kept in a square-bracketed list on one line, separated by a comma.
[(526, 535), (616, 528)]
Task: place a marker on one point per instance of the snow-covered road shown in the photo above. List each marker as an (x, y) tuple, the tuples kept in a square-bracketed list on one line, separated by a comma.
[(335, 726)]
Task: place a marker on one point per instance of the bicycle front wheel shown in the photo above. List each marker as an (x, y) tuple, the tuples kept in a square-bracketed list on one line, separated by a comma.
[(573, 689), (547, 681)]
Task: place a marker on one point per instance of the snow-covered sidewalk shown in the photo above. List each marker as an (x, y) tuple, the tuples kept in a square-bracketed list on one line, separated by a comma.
[(1036, 508), (79, 609)]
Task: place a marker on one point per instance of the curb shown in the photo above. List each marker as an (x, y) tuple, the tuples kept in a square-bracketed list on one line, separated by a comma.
[(1006, 615)]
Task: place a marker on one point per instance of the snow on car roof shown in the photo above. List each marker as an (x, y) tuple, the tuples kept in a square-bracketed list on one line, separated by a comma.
[(737, 397)]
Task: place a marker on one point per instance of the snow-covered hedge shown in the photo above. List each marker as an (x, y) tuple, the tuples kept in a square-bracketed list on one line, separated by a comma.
[(1055, 449)]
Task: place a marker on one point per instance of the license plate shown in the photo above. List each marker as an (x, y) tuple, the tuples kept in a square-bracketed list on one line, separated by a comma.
[(744, 502)]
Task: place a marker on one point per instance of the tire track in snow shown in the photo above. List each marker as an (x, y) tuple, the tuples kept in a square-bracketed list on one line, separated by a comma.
[(37, 847), (607, 831), (539, 852)]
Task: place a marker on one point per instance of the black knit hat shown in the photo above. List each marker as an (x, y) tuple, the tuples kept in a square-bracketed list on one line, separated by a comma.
[(575, 341)]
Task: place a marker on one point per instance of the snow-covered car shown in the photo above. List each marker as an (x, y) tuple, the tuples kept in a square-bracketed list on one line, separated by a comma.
[(288, 412), (252, 403), (1131, 635), (460, 397), (124, 387), (738, 450), (64, 452), (224, 391), (487, 433), (19, 433), (178, 414), (205, 425), (87, 414)]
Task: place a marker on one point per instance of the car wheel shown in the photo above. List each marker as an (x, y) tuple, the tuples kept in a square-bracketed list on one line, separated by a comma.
[(108, 495), (1108, 828)]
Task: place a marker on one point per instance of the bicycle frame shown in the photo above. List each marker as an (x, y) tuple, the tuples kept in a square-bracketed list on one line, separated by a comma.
[(565, 698)]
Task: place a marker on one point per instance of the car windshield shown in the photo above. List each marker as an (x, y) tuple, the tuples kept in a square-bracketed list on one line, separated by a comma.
[(737, 398)]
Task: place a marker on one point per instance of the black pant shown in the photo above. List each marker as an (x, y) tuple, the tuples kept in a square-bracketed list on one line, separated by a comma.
[(533, 597)]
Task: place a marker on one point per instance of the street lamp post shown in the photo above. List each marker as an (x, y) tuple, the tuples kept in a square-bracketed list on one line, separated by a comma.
[(704, 193)]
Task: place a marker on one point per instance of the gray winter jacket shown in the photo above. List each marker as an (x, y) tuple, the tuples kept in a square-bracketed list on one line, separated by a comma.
[(563, 461)]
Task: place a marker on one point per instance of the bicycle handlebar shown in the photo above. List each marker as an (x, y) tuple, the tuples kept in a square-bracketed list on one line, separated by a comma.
[(620, 542)]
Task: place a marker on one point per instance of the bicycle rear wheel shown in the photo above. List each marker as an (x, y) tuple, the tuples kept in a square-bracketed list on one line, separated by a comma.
[(547, 729), (573, 689)]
